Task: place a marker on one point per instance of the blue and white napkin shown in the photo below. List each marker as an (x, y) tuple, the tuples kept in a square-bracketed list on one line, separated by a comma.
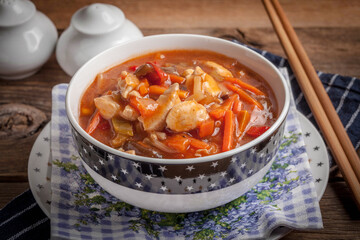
[(80, 209)]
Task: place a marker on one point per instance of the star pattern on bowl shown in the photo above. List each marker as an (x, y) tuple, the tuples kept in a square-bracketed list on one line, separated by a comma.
[(163, 178)]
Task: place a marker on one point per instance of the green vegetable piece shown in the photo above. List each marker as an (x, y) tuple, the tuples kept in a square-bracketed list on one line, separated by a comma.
[(122, 127)]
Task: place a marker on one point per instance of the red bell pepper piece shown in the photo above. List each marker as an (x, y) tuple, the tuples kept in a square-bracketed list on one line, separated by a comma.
[(256, 131), (159, 78), (133, 68), (104, 124)]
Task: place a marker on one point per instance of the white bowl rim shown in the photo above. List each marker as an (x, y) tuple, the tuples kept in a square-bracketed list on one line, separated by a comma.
[(215, 157)]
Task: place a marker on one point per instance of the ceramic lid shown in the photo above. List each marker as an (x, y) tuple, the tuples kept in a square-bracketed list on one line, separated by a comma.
[(14, 12), (97, 18)]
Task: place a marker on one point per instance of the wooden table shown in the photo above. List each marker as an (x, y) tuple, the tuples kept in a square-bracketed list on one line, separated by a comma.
[(329, 30)]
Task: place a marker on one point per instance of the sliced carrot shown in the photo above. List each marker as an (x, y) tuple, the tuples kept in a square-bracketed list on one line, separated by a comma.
[(228, 103), (244, 85), (144, 87), (206, 128), (143, 90), (146, 82), (183, 94), (196, 143), (244, 119), (146, 106), (176, 79), (243, 95), (229, 127), (237, 105), (179, 142), (134, 102), (93, 123), (156, 89), (217, 113)]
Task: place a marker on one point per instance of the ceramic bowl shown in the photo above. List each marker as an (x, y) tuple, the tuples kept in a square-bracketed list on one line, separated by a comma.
[(177, 185)]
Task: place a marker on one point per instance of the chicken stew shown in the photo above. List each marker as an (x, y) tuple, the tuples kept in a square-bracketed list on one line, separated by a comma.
[(177, 104)]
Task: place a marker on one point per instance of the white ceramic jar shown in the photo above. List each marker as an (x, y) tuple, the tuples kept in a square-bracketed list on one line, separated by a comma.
[(27, 39), (93, 29)]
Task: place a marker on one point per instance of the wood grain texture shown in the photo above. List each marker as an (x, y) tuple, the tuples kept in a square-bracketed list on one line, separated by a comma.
[(213, 13), (328, 29)]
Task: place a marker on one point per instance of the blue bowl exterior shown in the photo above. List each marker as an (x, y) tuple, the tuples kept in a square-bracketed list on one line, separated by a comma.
[(179, 178)]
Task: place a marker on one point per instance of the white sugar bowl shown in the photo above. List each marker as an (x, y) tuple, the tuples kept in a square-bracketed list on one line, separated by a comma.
[(27, 39), (93, 29)]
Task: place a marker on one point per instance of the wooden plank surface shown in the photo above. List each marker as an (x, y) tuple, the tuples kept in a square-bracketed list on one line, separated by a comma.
[(213, 13), (329, 30)]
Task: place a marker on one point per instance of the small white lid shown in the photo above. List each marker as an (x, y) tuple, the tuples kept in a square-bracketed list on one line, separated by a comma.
[(97, 18), (15, 12)]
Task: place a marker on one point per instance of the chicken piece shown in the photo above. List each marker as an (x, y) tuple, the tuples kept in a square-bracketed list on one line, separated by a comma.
[(129, 113), (156, 122), (124, 89), (127, 83), (198, 93), (160, 135), (219, 71), (107, 106), (186, 116), (134, 93), (123, 74), (224, 90), (132, 152), (187, 73), (204, 86), (189, 78), (209, 85), (199, 72)]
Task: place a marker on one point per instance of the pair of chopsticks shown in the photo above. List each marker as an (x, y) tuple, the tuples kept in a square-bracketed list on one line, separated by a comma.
[(317, 99)]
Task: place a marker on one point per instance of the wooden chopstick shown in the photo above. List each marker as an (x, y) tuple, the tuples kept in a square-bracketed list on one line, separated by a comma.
[(320, 91), (315, 105)]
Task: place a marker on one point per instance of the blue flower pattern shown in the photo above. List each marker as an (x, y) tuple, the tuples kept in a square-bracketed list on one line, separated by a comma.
[(238, 217)]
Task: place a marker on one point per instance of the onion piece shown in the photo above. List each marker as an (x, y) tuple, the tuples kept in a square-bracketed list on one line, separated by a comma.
[(156, 143), (140, 149)]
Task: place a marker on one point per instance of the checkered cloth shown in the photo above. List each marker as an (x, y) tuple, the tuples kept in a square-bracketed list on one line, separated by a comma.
[(285, 197)]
